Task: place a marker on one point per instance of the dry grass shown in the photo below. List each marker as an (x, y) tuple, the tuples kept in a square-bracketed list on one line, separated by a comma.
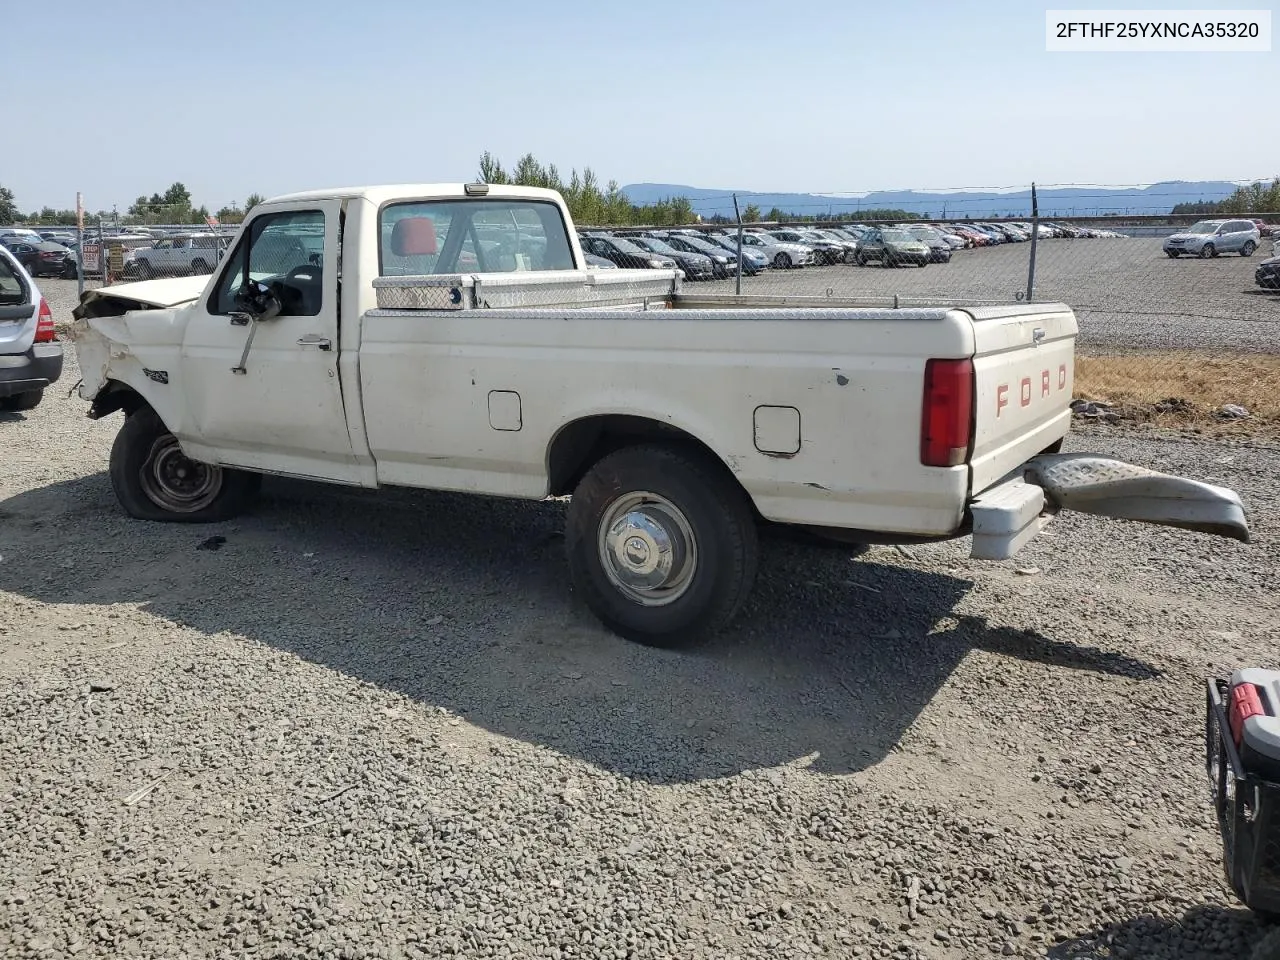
[(1136, 384)]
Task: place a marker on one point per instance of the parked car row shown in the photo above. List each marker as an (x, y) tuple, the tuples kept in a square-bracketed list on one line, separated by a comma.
[(713, 255)]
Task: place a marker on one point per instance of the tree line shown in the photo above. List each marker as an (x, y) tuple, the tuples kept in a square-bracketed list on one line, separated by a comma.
[(174, 205), (1257, 197), (593, 204)]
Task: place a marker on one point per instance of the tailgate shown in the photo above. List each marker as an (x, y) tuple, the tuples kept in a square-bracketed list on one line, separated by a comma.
[(1024, 369)]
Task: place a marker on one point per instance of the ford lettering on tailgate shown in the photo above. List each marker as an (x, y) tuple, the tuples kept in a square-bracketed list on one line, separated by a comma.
[(1050, 382)]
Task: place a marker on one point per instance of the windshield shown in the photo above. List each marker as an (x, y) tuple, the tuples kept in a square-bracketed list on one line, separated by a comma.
[(626, 246), (705, 246), (657, 246), (1205, 226), (924, 233), (896, 236)]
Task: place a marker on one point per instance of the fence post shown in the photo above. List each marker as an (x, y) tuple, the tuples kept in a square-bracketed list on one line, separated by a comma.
[(79, 245), (738, 216), (1035, 236)]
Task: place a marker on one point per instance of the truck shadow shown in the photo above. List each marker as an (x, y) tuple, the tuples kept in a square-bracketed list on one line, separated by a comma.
[(463, 602), (1202, 933)]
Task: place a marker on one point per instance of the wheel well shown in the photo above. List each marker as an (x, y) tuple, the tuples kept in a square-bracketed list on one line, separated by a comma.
[(116, 396), (581, 444)]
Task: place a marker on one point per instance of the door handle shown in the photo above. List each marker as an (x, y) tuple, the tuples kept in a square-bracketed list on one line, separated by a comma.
[(312, 340)]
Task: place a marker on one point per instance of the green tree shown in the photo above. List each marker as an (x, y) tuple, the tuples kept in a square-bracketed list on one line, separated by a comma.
[(775, 215), (252, 201), (8, 208), (751, 214), (491, 170)]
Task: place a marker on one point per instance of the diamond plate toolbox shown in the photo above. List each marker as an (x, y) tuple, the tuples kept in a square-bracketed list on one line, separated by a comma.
[(523, 290)]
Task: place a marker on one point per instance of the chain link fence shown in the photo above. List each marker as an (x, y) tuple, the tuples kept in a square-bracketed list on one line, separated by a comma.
[(1179, 315)]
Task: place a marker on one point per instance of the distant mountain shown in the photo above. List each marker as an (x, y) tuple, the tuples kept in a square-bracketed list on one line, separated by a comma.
[(1158, 198)]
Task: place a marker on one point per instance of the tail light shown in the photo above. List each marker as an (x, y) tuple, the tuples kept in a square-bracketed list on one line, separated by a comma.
[(946, 430), (44, 324)]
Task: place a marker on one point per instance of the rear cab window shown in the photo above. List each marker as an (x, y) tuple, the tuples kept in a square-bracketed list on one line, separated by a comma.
[(492, 235)]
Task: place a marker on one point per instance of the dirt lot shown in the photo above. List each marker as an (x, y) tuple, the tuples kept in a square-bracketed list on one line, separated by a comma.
[(379, 726)]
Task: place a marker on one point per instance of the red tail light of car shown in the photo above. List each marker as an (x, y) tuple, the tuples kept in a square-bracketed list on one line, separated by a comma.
[(44, 323)]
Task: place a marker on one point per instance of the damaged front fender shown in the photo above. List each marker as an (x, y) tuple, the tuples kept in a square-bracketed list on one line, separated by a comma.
[(127, 348)]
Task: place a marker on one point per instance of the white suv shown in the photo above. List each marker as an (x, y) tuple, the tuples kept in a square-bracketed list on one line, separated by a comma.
[(30, 354), (1208, 238), (180, 255)]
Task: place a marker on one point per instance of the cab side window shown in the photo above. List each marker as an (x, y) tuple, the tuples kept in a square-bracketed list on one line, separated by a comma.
[(284, 251)]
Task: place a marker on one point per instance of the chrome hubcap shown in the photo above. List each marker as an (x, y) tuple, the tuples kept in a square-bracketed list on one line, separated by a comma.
[(647, 548), (174, 482)]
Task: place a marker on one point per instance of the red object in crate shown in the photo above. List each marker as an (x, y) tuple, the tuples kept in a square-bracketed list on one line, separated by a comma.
[(1245, 703), (1253, 714)]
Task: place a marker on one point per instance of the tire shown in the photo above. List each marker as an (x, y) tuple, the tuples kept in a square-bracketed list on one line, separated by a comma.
[(652, 497), (153, 480), (199, 267), (70, 272), (888, 261), (1208, 250), (145, 270), (861, 260), (1248, 248), (27, 400), (782, 261), (1173, 254)]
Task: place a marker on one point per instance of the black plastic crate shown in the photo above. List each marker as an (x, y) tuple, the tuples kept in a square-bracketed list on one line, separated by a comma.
[(1248, 810)]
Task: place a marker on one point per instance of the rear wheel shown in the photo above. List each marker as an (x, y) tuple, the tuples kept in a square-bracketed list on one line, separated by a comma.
[(154, 480), (145, 270), (662, 544), (1248, 248), (198, 267), (27, 400)]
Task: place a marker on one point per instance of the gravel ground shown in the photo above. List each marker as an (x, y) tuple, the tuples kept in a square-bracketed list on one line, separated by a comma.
[(378, 725)]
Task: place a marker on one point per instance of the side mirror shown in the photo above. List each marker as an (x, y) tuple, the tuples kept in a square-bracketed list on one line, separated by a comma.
[(258, 301)]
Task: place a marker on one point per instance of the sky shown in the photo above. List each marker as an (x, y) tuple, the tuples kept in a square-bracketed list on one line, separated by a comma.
[(273, 96)]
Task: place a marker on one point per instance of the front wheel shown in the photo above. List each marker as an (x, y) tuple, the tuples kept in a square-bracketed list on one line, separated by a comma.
[(154, 480), (1208, 250), (1248, 248), (782, 262), (662, 544), (1173, 254)]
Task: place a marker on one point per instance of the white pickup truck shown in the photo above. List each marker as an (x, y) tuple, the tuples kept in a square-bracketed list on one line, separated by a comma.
[(450, 336)]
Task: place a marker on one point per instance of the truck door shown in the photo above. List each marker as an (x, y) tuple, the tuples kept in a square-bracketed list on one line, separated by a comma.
[(283, 412)]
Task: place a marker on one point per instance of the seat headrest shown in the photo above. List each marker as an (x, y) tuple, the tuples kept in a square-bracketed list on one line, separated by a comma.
[(414, 237)]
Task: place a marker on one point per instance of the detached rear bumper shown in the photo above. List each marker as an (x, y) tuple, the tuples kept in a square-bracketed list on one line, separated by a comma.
[(1010, 514)]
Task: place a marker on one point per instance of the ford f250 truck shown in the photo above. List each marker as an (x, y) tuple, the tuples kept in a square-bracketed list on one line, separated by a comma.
[(450, 336)]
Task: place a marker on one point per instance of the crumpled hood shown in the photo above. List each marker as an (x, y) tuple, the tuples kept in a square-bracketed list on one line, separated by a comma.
[(167, 292)]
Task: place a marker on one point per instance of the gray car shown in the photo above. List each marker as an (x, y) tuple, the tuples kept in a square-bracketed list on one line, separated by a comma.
[(30, 354), (1208, 238)]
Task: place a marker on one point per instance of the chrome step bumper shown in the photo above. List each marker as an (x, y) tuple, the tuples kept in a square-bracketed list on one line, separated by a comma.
[(1008, 515)]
